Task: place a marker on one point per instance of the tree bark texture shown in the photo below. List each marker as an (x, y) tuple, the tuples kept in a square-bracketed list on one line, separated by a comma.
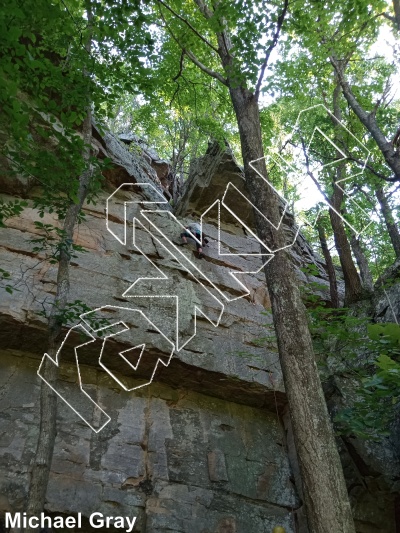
[(352, 282), (391, 225), (365, 272), (353, 287), (48, 399), (324, 488), (396, 8), (333, 290), (390, 154)]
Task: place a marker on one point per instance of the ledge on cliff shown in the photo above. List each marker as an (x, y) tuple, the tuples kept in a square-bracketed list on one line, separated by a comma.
[(250, 370), (208, 180)]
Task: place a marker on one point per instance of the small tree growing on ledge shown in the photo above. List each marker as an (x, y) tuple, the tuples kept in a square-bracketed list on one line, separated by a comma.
[(48, 398), (52, 79)]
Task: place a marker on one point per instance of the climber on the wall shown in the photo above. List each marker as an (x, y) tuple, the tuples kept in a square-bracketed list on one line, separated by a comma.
[(194, 230)]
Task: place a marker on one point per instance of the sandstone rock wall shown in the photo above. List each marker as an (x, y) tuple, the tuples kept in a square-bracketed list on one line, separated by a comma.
[(199, 450), (203, 449), (178, 460)]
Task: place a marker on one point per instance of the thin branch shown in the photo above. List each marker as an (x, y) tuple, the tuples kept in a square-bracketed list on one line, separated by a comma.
[(360, 31), (79, 27), (205, 69), (180, 66), (393, 192), (383, 98), (192, 57), (389, 17), (367, 196), (175, 93), (279, 24), (368, 167), (350, 157), (182, 19), (362, 59), (309, 172)]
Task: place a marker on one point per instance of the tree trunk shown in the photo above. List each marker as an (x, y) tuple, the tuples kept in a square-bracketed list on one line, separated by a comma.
[(396, 8), (325, 493), (352, 283), (329, 266), (389, 221), (390, 154), (365, 272), (48, 399)]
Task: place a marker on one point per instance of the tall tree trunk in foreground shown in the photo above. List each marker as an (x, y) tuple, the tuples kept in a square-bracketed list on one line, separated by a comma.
[(48, 399), (391, 225), (330, 267), (325, 494)]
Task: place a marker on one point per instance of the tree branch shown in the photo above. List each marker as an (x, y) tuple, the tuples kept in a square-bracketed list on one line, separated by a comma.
[(180, 66), (383, 98), (368, 167), (192, 57), (182, 19), (204, 9), (205, 69), (367, 196), (389, 17), (369, 121), (275, 38)]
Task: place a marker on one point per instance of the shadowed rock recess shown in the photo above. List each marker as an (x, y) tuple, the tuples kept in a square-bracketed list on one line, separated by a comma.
[(207, 447)]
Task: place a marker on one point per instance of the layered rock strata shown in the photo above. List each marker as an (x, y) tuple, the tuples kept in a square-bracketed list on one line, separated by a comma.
[(203, 448)]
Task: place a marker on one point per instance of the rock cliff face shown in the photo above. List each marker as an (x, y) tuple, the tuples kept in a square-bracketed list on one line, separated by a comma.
[(206, 448), (208, 179)]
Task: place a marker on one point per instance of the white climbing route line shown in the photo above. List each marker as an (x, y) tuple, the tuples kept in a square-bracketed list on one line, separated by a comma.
[(302, 181), (127, 324)]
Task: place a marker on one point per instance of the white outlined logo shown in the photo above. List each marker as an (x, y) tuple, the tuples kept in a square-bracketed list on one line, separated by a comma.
[(146, 352)]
